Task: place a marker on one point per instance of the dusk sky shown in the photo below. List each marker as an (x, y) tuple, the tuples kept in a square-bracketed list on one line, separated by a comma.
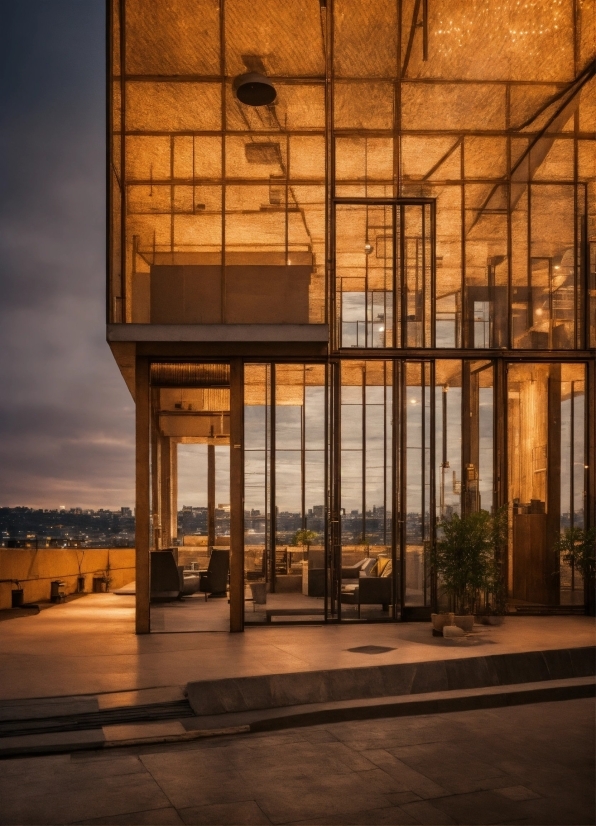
[(66, 417)]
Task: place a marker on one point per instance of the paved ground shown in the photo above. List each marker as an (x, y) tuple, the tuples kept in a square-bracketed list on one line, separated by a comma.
[(88, 647), (523, 765)]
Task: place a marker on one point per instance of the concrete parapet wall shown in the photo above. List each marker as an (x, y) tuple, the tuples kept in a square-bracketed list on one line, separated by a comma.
[(35, 570)]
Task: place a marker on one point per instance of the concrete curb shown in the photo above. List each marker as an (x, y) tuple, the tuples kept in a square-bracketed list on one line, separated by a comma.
[(304, 715), (270, 691), (410, 706)]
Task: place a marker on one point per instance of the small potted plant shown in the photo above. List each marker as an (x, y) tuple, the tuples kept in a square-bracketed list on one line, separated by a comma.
[(577, 547), (81, 576), (464, 560)]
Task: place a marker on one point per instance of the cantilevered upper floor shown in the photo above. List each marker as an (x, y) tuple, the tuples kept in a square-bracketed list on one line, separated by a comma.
[(413, 175)]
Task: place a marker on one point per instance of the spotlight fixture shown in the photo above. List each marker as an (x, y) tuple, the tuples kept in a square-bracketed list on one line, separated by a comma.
[(254, 89)]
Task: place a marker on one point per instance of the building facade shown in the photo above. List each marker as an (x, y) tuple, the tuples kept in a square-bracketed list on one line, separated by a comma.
[(352, 256)]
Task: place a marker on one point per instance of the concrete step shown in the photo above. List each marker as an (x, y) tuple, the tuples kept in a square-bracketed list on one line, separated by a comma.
[(435, 702), (213, 697), (83, 721), (195, 728), (62, 714)]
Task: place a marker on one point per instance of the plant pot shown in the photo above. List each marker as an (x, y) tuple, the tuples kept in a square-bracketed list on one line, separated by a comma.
[(17, 597), (259, 593), (453, 632), (465, 622), (439, 621)]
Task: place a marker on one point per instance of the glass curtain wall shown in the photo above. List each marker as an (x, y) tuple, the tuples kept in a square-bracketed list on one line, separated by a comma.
[(508, 167), (424, 184)]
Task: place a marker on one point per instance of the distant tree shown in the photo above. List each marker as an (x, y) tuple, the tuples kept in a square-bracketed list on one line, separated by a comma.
[(304, 537)]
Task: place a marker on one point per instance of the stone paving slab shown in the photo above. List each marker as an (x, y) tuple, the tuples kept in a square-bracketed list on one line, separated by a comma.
[(531, 765)]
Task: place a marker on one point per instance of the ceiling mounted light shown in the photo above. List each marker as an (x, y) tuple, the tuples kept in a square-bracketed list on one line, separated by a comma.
[(254, 89)]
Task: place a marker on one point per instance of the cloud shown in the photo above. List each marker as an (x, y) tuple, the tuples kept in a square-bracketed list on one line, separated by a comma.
[(66, 417)]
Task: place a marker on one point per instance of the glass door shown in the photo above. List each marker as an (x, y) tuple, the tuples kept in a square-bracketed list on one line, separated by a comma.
[(366, 568), (285, 461)]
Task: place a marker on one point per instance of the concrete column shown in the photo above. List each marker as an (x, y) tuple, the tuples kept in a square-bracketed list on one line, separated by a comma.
[(143, 504), (236, 495), (210, 495)]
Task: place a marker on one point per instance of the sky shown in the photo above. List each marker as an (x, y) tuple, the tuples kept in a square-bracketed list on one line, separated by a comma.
[(66, 417)]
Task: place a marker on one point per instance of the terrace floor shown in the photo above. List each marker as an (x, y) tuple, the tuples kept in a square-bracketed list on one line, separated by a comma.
[(88, 646)]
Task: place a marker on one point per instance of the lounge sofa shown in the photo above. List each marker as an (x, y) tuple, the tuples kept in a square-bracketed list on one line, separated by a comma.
[(374, 585)]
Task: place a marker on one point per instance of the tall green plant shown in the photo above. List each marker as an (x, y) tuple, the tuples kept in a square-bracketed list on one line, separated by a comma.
[(577, 547), (496, 593), (466, 560)]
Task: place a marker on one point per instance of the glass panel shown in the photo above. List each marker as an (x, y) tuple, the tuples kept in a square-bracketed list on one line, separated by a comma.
[(371, 252), (191, 503), (543, 306), (448, 423), (416, 275), (364, 275), (418, 394), (592, 294), (546, 478), (257, 485), (486, 307), (285, 491), (573, 453), (368, 572), (449, 232)]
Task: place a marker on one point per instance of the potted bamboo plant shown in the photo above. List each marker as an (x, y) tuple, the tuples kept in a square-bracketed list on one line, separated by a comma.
[(465, 559)]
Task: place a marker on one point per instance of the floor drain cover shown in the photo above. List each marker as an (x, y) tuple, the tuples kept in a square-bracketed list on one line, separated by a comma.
[(371, 649)]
